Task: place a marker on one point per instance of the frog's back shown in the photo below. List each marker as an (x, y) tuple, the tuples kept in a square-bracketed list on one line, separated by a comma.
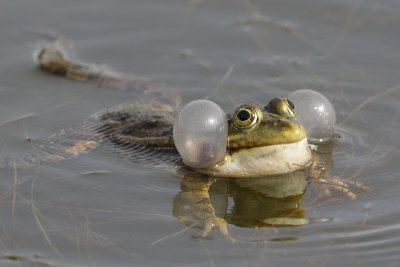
[(138, 132)]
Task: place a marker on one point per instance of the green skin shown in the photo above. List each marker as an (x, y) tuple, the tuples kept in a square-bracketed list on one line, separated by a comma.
[(148, 124), (263, 142), (150, 121), (276, 126)]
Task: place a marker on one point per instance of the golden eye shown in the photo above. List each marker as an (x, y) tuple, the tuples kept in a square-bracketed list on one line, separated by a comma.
[(287, 107), (290, 103), (281, 106), (246, 116)]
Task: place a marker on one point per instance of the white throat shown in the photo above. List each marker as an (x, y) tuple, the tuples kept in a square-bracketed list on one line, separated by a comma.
[(264, 160)]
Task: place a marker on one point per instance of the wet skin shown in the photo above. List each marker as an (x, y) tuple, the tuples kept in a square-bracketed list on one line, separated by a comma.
[(261, 141), (266, 141)]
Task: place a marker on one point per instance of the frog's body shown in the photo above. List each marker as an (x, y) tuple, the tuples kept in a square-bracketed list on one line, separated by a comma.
[(261, 141)]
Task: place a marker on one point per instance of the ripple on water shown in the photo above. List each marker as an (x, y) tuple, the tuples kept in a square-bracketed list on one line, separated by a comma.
[(355, 149), (375, 243)]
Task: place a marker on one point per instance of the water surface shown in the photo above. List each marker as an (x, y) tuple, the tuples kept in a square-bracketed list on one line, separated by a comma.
[(98, 209)]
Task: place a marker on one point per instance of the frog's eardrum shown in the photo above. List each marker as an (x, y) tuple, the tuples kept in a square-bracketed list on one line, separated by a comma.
[(316, 113), (200, 133)]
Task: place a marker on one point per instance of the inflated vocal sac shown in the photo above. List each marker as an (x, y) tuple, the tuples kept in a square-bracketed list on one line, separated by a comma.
[(200, 134)]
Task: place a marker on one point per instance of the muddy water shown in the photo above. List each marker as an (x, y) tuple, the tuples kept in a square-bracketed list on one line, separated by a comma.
[(98, 209)]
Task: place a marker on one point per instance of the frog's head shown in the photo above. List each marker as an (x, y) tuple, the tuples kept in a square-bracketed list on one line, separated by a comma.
[(251, 127), (261, 141)]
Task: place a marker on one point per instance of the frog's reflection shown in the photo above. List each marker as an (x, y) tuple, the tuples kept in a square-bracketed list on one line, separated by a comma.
[(252, 202), (273, 201)]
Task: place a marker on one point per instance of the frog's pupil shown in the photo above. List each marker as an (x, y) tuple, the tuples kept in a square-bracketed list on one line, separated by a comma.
[(243, 115), (290, 104)]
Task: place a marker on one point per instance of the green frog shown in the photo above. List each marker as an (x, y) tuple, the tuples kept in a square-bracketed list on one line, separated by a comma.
[(263, 143)]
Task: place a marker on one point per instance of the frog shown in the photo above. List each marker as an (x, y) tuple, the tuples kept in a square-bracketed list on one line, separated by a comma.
[(261, 140), (263, 143)]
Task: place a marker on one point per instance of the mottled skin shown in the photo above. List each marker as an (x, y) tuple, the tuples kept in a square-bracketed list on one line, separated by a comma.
[(142, 132), (149, 122)]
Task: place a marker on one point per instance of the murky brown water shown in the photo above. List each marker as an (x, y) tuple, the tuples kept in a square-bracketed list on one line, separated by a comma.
[(97, 209)]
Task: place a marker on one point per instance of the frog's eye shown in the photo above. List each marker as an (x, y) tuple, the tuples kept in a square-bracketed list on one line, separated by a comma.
[(281, 106), (291, 105), (246, 116), (287, 107)]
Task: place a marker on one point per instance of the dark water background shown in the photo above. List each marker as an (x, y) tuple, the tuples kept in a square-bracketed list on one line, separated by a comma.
[(98, 210)]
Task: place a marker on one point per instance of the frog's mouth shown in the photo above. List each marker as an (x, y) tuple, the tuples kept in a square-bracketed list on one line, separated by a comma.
[(263, 160)]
